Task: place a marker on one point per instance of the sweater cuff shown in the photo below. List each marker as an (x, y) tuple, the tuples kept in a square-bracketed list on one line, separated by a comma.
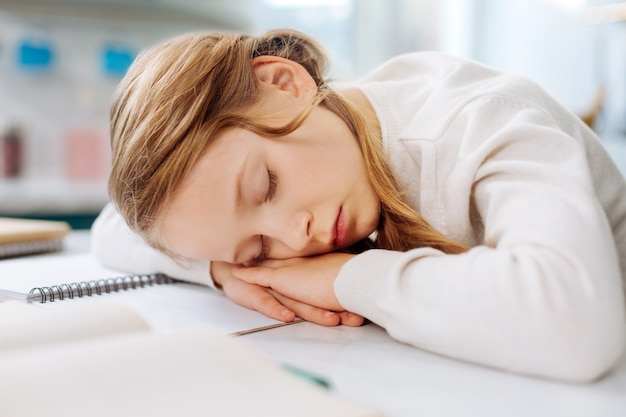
[(362, 279), (197, 272), (365, 280)]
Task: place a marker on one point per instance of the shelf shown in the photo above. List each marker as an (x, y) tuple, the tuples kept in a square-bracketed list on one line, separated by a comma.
[(35, 197), (233, 14), (40, 195)]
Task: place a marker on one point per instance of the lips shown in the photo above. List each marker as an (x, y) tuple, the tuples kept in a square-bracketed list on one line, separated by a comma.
[(340, 229)]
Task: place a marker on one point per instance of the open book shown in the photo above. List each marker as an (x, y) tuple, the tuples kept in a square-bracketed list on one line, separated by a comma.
[(20, 237), (165, 304), (101, 359)]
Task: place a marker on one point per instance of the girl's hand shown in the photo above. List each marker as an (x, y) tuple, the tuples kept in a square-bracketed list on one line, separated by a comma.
[(307, 280), (275, 305)]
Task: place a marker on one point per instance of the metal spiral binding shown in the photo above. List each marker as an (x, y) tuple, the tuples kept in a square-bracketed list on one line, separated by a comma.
[(12, 250), (98, 287)]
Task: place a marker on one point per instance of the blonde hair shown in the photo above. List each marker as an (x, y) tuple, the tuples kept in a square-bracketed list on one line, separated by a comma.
[(177, 95)]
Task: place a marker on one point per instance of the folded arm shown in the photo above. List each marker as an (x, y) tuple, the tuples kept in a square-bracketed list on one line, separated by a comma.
[(541, 295)]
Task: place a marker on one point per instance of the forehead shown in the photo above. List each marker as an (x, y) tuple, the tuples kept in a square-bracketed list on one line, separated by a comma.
[(198, 220)]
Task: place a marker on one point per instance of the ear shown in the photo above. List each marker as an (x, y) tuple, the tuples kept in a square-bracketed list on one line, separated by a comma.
[(284, 75)]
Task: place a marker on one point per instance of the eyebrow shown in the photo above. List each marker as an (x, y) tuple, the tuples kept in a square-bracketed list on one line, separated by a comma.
[(238, 184)]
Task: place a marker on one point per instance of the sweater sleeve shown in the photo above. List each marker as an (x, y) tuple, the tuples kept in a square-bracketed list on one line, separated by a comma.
[(541, 294), (116, 246)]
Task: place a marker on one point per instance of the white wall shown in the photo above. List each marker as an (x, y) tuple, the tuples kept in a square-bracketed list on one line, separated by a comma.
[(544, 41), (540, 39)]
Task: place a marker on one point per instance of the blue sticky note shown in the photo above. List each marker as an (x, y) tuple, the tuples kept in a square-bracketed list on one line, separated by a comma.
[(116, 59), (35, 54)]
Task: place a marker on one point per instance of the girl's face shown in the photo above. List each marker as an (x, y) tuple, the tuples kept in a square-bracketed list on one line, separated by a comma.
[(249, 197)]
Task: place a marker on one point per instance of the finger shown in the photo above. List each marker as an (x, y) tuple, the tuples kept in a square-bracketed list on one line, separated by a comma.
[(308, 312), (257, 275), (283, 281), (257, 298), (351, 319)]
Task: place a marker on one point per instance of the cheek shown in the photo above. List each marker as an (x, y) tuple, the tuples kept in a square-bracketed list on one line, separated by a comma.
[(185, 242), (326, 167), (193, 236), (372, 216), (314, 181), (318, 168)]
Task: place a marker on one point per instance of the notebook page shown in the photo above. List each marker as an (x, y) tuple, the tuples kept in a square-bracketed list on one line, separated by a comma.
[(163, 307), (192, 372), (170, 307), (26, 325)]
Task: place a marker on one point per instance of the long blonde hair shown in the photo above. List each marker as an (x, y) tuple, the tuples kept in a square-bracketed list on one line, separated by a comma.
[(177, 95)]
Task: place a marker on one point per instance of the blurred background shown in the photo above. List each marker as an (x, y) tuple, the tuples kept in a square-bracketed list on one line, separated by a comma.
[(60, 61)]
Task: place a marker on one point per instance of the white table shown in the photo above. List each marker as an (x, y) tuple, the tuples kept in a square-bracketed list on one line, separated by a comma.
[(366, 365)]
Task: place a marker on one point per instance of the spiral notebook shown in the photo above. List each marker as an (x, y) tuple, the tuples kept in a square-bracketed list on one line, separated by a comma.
[(70, 290), (165, 303), (19, 237)]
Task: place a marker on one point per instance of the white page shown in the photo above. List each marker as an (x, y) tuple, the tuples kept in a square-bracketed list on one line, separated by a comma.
[(25, 325), (192, 372), (170, 307)]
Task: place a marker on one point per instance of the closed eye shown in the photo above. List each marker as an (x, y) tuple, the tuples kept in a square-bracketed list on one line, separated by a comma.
[(264, 250), (273, 183)]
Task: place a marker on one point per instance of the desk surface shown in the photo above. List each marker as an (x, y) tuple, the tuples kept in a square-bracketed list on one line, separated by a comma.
[(366, 365)]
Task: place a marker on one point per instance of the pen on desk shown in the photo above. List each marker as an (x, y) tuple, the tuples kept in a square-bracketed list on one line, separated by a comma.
[(308, 376)]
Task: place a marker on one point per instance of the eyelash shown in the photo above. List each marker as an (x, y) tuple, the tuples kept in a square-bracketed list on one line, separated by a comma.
[(263, 255), (273, 183), (271, 192)]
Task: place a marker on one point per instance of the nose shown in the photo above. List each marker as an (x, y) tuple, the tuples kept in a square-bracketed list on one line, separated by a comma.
[(293, 231)]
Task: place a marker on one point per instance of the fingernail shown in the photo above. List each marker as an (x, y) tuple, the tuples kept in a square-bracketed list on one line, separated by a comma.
[(329, 314), (286, 314)]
